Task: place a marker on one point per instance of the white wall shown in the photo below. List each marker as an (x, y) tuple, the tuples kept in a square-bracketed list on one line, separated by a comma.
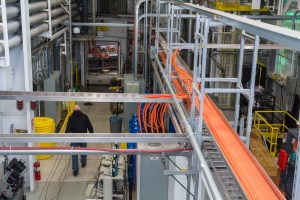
[(9, 114)]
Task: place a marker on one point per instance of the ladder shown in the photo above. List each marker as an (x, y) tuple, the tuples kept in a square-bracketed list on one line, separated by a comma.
[(225, 178)]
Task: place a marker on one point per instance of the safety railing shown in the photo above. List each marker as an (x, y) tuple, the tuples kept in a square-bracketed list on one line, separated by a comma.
[(265, 125)]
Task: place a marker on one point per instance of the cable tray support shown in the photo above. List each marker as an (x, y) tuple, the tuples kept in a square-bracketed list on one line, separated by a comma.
[(227, 181)]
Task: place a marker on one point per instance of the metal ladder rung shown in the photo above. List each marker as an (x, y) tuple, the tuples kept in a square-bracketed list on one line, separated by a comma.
[(211, 148), (231, 189)]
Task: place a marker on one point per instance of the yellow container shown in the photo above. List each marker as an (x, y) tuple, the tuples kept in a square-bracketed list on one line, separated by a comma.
[(44, 125)]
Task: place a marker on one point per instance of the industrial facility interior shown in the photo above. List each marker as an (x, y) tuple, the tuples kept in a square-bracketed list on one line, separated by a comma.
[(188, 99)]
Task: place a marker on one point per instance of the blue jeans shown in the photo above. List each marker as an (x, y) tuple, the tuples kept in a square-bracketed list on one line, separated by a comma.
[(75, 157)]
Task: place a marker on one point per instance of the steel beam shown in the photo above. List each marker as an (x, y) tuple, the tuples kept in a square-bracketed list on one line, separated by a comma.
[(80, 97), (102, 24), (95, 138), (176, 172), (230, 46), (84, 151), (273, 33)]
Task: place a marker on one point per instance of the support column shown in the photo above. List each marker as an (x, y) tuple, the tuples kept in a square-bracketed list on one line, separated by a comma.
[(26, 38), (239, 82), (252, 88)]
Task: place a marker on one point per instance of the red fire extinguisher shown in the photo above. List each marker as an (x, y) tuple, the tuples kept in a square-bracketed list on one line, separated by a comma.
[(37, 172)]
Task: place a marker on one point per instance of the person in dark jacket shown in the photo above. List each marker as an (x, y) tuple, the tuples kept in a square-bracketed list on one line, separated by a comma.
[(78, 123)]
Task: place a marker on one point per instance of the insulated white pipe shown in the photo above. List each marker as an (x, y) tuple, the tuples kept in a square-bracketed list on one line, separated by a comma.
[(41, 5), (14, 26), (14, 11), (45, 26), (17, 40), (11, 12)]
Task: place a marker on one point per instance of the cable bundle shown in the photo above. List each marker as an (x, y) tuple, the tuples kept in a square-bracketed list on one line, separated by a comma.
[(254, 181), (151, 117), (94, 50)]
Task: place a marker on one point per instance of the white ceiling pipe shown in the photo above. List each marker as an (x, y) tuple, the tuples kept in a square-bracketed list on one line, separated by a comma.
[(41, 5), (17, 40), (45, 26), (14, 26), (43, 16), (11, 12), (14, 11)]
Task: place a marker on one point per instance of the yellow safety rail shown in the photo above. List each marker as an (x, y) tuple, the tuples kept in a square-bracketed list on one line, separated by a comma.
[(270, 130), (70, 105), (234, 6)]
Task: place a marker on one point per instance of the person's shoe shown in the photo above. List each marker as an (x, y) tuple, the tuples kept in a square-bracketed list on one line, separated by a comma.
[(83, 165), (75, 173)]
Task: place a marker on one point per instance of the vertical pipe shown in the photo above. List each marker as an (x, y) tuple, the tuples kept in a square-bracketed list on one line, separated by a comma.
[(157, 26), (195, 71), (136, 32), (203, 72), (189, 37), (119, 58), (179, 26), (252, 87), (170, 40), (145, 43), (71, 43), (85, 14), (189, 177), (239, 82), (28, 78), (94, 10)]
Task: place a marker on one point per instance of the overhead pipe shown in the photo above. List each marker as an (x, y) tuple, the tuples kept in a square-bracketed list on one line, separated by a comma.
[(45, 26), (11, 12), (17, 40), (15, 150), (14, 11), (41, 5), (14, 26)]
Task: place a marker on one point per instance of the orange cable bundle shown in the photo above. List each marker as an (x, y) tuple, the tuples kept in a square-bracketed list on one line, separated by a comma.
[(253, 179)]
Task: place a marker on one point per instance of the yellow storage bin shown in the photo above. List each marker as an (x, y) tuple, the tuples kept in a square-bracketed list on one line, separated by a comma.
[(44, 125)]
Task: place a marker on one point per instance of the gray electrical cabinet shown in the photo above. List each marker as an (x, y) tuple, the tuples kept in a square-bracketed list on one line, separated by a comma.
[(53, 84), (153, 184)]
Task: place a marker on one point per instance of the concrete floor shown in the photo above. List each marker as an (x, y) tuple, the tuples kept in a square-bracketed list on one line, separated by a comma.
[(58, 182)]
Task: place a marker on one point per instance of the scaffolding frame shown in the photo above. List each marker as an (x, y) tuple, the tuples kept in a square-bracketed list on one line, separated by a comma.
[(205, 185), (208, 19)]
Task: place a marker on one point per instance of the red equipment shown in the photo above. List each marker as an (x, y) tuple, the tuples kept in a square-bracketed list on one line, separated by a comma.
[(37, 171)]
